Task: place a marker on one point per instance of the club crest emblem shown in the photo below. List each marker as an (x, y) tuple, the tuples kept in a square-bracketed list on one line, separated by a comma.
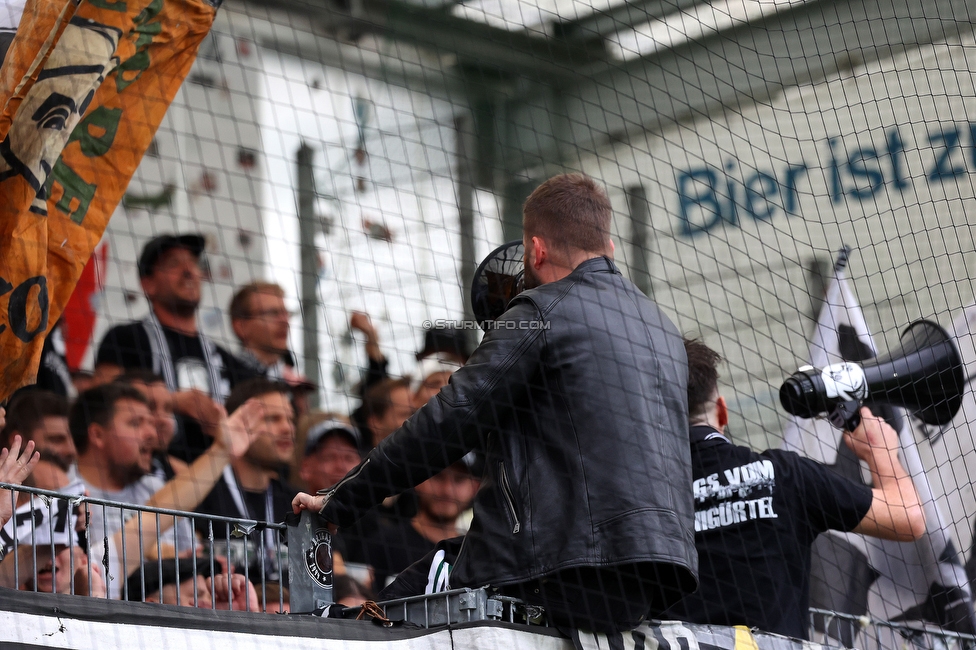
[(318, 558)]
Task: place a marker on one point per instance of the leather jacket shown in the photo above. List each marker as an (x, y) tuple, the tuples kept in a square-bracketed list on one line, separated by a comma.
[(578, 399)]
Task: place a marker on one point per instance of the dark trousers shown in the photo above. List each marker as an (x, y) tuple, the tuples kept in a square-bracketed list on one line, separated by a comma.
[(598, 599), (602, 599)]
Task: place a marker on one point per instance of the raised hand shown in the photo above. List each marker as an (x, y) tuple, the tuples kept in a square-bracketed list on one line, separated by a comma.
[(245, 597), (198, 405), (240, 429), (874, 442), (360, 321), (14, 468)]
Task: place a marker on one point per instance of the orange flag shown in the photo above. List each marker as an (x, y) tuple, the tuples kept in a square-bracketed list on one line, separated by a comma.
[(80, 128), (46, 21)]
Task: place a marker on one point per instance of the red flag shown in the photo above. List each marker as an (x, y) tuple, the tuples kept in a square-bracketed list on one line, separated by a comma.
[(78, 320)]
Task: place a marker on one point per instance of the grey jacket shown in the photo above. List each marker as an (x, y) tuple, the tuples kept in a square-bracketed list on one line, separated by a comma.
[(578, 398)]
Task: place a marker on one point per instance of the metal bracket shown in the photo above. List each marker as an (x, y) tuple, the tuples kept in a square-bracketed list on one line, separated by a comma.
[(494, 609), (467, 602)]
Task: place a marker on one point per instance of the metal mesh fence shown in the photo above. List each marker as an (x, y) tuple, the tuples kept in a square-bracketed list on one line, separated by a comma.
[(788, 182)]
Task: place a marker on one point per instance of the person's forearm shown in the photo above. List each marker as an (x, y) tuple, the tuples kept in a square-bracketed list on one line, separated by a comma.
[(375, 373), (373, 350), (896, 489), (190, 403), (185, 404), (184, 491)]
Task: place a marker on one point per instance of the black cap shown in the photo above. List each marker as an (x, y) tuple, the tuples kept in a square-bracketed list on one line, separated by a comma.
[(171, 573), (327, 428), (155, 247), (445, 339)]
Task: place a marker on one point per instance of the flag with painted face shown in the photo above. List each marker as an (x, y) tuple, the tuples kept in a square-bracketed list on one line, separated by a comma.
[(922, 580), (83, 87)]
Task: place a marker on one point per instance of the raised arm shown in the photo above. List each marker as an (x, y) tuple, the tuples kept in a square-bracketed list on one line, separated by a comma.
[(896, 512), (201, 407), (187, 490), (361, 322), (480, 396)]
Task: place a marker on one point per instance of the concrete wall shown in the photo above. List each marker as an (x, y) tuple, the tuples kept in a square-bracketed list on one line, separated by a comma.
[(880, 157), (208, 156), (227, 151)]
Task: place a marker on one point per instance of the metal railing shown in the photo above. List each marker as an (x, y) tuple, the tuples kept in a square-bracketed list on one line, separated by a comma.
[(461, 606), (49, 517), (866, 633)]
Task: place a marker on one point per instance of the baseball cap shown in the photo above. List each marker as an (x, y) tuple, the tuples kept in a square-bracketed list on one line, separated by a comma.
[(320, 430), (172, 571), (449, 340), (437, 362), (156, 246)]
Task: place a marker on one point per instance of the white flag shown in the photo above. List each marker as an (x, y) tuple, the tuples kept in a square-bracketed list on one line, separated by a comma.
[(840, 317), (921, 580)]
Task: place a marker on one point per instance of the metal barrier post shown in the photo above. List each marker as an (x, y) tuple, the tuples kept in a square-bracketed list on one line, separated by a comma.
[(310, 562)]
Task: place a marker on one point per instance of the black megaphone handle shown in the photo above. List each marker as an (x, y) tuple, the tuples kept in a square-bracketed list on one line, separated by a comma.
[(846, 415)]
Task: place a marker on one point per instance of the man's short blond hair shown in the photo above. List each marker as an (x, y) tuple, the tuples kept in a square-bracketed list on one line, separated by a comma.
[(571, 211), (240, 304)]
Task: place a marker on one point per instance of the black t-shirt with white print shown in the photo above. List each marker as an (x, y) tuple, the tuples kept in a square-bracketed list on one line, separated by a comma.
[(756, 517), (128, 346)]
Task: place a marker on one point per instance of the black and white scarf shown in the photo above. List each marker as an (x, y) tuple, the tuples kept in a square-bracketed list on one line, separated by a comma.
[(274, 372), (162, 357)]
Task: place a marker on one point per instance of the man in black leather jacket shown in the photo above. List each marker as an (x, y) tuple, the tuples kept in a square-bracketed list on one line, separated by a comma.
[(577, 397)]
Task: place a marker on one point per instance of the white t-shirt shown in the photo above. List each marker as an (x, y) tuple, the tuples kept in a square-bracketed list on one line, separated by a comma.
[(106, 521)]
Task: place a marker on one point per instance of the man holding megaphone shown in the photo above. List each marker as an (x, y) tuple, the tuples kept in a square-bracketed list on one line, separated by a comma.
[(757, 514)]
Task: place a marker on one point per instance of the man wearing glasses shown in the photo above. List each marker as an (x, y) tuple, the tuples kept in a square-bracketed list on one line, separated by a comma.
[(261, 322)]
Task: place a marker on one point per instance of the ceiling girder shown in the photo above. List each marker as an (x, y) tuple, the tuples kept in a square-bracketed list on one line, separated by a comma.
[(476, 45), (601, 24)]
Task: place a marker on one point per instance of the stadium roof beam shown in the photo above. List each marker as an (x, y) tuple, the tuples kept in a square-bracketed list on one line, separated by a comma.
[(442, 5), (548, 128), (600, 24), (276, 30), (478, 47), (740, 65)]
